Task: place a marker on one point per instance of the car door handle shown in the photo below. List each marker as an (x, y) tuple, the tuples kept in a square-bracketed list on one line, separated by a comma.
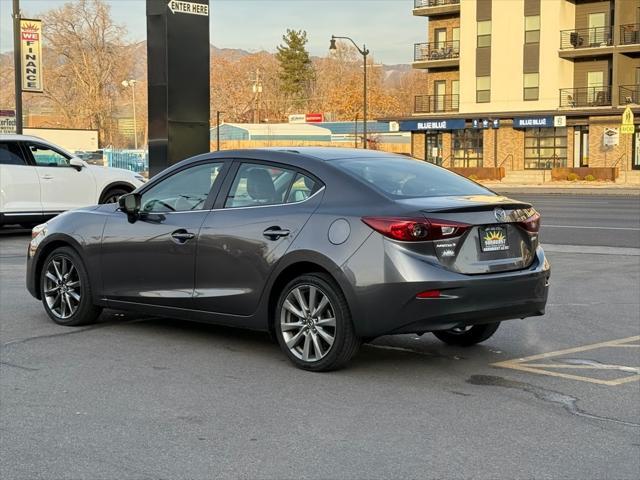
[(181, 236), (47, 177), (274, 233)]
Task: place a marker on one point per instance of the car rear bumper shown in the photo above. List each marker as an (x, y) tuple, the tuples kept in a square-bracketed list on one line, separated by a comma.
[(392, 307)]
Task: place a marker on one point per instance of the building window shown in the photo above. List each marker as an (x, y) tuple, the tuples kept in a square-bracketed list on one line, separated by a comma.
[(530, 83), (455, 35), (466, 146), (532, 29), (545, 148), (433, 147), (483, 89), (484, 33)]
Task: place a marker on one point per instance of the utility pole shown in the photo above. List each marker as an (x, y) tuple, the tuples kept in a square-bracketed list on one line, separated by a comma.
[(17, 64), (257, 92), (132, 83), (218, 112)]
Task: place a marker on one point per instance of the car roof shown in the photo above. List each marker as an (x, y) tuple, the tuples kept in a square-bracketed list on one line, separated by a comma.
[(16, 137), (330, 153)]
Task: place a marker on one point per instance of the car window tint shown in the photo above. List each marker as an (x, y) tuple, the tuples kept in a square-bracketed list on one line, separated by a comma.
[(301, 189), (406, 178), (10, 154), (259, 185), (47, 157), (184, 191)]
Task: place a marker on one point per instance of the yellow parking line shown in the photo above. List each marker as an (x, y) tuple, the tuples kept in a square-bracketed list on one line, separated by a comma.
[(523, 364), (602, 366)]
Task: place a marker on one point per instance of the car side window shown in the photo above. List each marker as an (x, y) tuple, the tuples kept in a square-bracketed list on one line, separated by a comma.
[(47, 157), (257, 184), (301, 189), (10, 154), (182, 192)]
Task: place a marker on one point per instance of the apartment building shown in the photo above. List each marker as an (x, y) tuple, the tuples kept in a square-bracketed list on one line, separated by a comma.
[(527, 85)]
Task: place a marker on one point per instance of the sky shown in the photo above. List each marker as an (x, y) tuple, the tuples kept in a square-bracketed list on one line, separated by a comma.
[(387, 27)]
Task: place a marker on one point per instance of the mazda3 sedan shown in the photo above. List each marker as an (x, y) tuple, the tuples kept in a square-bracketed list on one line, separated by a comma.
[(323, 247)]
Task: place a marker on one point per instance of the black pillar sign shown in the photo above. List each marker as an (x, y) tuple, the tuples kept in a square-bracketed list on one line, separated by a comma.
[(178, 76)]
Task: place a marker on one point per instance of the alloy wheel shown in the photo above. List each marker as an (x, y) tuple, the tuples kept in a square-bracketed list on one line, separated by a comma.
[(113, 198), (62, 287), (308, 323)]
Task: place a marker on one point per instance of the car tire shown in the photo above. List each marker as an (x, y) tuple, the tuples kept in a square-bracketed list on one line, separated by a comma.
[(112, 195), (467, 336), (65, 289), (316, 333)]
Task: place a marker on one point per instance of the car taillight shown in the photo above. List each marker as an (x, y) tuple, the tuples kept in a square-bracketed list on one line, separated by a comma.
[(531, 224), (415, 229)]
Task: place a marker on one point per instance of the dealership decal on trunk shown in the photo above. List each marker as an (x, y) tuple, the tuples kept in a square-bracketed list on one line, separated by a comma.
[(493, 239)]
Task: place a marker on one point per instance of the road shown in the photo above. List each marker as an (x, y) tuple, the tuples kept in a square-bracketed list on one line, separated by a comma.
[(143, 397), (612, 221)]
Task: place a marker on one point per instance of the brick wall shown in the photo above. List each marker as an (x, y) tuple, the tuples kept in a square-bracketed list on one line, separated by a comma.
[(443, 22), (447, 76), (601, 156), (417, 145)]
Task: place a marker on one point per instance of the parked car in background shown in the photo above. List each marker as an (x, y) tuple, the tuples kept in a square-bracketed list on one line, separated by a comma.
[(39, 180), (324, 247), (94, 158)]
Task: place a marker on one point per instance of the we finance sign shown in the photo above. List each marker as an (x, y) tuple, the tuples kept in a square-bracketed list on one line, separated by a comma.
[(31, 53)]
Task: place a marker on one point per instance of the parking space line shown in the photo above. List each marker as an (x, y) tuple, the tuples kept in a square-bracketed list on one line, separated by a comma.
[(525, 363)]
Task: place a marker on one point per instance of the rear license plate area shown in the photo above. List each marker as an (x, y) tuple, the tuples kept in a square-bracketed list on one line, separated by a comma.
[(493, 239)]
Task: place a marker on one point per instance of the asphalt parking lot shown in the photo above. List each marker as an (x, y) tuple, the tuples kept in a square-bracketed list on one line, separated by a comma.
[(143, 397)]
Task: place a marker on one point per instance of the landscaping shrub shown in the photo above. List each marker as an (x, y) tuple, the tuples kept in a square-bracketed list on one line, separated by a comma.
[(589, 178), (572, 177)]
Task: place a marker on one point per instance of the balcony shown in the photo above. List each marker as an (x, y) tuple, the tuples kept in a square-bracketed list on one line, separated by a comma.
[(586, 42), (435, 55), (630, 34), (435, 8), (628, 94), (585, 97), (629, 42), (436, 103)]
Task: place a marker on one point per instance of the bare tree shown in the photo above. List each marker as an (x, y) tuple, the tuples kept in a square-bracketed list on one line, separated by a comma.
[(85, 62)]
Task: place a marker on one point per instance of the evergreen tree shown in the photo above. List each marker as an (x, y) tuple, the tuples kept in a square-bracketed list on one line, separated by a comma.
[(296, 69)]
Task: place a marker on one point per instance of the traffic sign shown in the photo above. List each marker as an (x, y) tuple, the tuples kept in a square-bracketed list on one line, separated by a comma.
[(192, 8), (627, 126)]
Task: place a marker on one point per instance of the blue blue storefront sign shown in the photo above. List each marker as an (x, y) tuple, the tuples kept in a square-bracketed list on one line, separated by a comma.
[(450, 124), (533, 122)]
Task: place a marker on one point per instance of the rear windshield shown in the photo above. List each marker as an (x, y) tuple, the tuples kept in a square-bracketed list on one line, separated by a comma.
[(406, 178)]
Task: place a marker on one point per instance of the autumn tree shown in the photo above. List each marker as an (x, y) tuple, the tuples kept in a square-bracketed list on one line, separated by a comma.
[(296, 68), (85, 62)]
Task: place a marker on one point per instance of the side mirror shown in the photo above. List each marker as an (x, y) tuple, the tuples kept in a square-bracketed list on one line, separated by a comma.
[(76, 163), (130, 204)]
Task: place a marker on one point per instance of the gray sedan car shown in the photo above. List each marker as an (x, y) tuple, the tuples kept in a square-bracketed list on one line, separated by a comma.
[(323, 247)]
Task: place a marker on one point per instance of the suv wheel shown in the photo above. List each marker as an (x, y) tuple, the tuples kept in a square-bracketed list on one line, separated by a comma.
[(467, 335), (65, 289), (313, 324), (113, 195)]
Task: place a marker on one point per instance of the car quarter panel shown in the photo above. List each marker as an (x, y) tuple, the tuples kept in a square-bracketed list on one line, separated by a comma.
[(386, 277)]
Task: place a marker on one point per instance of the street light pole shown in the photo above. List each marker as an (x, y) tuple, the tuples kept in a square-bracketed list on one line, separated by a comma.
[(364, 52), (132, 83), (17, 65)]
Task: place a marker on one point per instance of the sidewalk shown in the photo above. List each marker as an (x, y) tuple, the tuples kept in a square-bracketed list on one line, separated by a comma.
[(566, 188)]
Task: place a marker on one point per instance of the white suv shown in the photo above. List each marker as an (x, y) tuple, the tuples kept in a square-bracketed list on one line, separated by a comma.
[(39, 180)]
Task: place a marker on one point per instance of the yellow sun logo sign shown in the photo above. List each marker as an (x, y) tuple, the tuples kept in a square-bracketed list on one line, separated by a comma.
[(494, 236)]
